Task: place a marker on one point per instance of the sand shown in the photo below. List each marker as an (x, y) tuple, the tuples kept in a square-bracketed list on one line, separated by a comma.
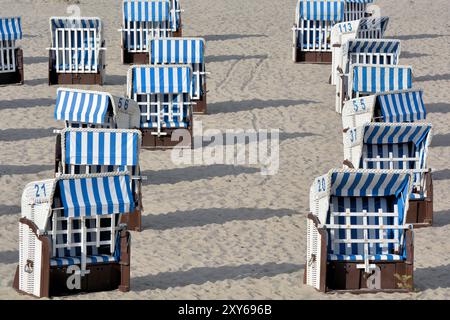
[(224, 231)]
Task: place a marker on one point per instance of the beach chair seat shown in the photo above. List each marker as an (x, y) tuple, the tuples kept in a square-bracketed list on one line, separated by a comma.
[(314, 20), (77, 53), (71, 239), (393, 146), (391, 106), (357, 236), (163, 94), (368, 79), (88, 150), (144, 20), (94, 109), (191, 51), (11, 56), (373, 52)]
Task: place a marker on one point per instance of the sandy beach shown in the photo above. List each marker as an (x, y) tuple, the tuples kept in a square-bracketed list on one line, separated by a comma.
[(223, 231)]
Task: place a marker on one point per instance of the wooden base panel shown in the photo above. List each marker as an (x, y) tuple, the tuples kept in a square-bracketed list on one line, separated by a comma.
[(150, 141), (16, 77), (345, 276), (135, 57), (133, 220), (420, 213), (312, 57), (201, 106)]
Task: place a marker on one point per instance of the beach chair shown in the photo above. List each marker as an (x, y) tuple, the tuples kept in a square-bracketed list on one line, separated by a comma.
[(314, 20), (391, 106), (364, 28), (189, 51), (364, 51), (70, 239), (368, 79), (396, 146), (78, 53), (163, 94), (144, 20), (357, 236), (175, 22), (11, 56), (93, 109), (86, 151)]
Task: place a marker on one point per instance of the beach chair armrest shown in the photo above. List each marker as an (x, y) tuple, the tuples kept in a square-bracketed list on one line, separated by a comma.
[(321, 228)]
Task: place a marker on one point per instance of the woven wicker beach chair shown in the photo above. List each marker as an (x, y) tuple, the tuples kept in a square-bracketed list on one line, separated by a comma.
[(144, 20), (368, 79), (314, 20), (11, 56), (357, 236), (373, 52), (190, 51), (396, 146), (77, 53), (163, 94), (70, 238), (364, 28)]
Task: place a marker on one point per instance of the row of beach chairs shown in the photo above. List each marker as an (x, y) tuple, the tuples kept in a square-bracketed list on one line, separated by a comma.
[(74, 228), (360, 229)]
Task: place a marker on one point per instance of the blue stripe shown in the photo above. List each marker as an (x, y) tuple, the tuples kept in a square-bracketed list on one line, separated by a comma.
[(143, 79), (98, 201), (119, 194), (101, 146), (67, 139), (366, 185), (90, 147), (382, 77), (78, 145), (375, 190), (400, 78), (73, 195), (124, 148), (391, 79), (374, 79), (108, 195), (87, 203), (112, 148), (135, 148)]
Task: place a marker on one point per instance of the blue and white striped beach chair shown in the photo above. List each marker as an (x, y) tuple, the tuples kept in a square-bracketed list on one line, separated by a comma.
[(390, 106), (163, 94), (11, 56), (314, 20), (372, 52), (86, 151), (369, 79), (191, 51), (93, 109), (70, 237), (401, 146), (77, 53), (364, 28), (144, 20), (357, 235)]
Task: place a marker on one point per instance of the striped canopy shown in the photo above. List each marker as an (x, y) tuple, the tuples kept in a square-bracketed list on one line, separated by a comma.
[(101, 147), (90, 196), (81, 106), (321, 10), (146, 11), (369, 184), (177, 50), (376, 133), (371, 46), (164, 80), (10, 28), (402, 106), (381, 78), (64, 22), (374, 23)]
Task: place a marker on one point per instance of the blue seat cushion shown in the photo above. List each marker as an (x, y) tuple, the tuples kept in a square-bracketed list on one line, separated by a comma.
[(358, 257), (69, 261)]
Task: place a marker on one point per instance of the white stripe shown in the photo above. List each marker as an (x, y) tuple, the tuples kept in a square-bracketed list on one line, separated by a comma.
[(118, 147), (84, 145), (107, 151), (95, 147), (66, 188)]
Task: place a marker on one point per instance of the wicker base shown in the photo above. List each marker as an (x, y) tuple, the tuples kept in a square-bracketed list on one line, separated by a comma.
[(16, 77), (150, 141), (312, 57)]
